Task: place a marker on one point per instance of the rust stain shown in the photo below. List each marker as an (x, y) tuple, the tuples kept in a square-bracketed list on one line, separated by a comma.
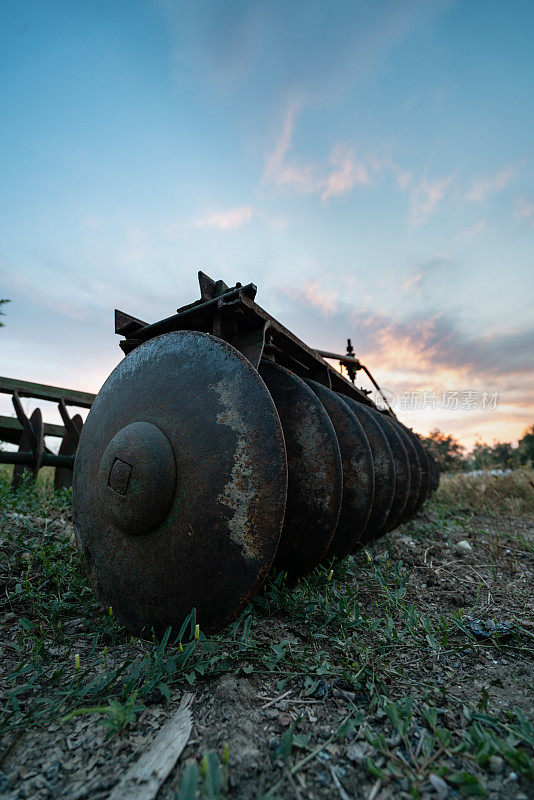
[(240, 490)]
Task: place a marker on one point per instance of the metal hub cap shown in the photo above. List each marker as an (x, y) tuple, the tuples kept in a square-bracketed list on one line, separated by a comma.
[(137, 478)]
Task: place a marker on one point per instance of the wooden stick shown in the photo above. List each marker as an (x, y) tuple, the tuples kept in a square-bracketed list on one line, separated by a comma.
[(144, 778)]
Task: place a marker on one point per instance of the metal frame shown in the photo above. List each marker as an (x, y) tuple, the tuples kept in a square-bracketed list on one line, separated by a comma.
[(26, 434), (231, 313)]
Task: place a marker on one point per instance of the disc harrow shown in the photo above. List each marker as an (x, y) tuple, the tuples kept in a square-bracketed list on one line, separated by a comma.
[(29, 433), (222, 444)]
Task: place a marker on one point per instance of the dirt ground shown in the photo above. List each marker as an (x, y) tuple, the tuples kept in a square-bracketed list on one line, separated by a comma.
[(406, 673)]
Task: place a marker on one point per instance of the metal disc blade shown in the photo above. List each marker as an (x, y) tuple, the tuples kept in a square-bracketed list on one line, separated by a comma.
[(384, 469), (402, 472), (68, 447), (424, 487), (434, 472), (180, 483), (26, 444), (415, 472), (358, 472), (315, 476)]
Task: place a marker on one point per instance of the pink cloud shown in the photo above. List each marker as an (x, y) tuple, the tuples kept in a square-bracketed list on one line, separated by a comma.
[(276, 170), (472, 231), (315, 296), (425, 196), (484, 185), (413, 281), (227, 219), (345, 175), (340, 177), (525, 210)]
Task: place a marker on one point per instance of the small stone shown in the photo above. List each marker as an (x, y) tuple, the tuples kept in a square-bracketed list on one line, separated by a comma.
[(284, 718), (512, 776), (10, 617), (359, 752), (496, 764), (440, 786), (464, 546), (324, 778)]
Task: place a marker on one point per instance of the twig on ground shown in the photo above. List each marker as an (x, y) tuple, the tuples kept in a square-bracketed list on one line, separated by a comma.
[(144, 778), (275, 700), (339, 786)]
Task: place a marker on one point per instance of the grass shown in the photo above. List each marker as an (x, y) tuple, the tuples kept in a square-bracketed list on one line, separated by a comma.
[(511, 492), (368, 628)]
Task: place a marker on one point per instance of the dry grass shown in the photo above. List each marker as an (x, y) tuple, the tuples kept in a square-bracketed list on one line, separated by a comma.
[(512, 492)]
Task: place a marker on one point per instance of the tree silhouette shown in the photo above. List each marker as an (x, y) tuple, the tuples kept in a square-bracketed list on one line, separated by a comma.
[(447, 451), (2, 302), (526, 444)]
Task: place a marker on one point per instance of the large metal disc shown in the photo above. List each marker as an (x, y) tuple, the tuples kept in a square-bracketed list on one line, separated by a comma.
[(68, 447), (384, 469), (28, 444), (424, 487), (180, 484), (434, 472), (315, 476), (358, 472), (415, 472), (402, 472)]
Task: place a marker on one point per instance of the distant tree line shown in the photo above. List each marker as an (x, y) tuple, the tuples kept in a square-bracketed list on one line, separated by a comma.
[(451, 455)]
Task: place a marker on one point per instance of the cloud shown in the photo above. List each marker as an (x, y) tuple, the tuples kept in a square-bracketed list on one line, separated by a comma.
[(346, 173), (312, 294), (470, 232), (227, 219), (430, 343), (421, 344), (343, 172), (425, 196), (277, 171), (413, 282), (525, 210), (275, 160), (339, 177), (482, 186)]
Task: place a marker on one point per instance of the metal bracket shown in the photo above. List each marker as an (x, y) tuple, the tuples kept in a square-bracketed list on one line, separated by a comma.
[(252, 344), (24, 421), (69, 424)]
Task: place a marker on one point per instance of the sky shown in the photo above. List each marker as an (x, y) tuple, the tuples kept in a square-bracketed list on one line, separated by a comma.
[(369, 166)]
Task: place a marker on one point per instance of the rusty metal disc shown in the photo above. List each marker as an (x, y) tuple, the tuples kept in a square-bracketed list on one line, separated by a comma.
[(33, 444), (315, 476), (68, 447), (438, 475), (402, 472), (424, 487), (434, 471), (358, 472), (180, 484), (415, 472), (384, 469)]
